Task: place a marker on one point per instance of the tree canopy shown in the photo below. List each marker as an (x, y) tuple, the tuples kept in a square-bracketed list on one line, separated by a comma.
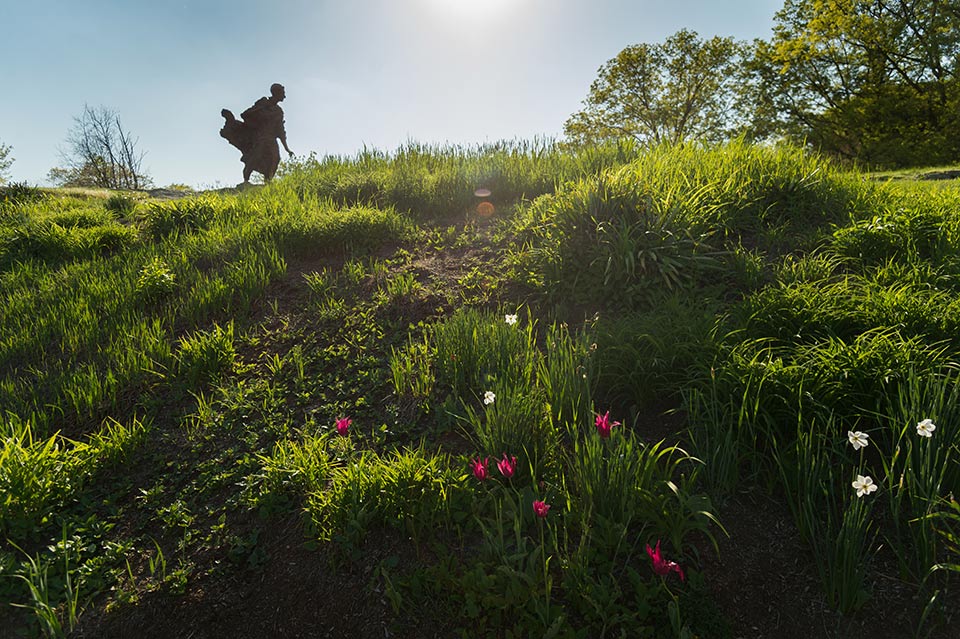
[(682, 88), (870, 80), (873, 80)]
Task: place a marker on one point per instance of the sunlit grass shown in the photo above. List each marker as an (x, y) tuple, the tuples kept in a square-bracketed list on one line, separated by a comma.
[(772, 300)]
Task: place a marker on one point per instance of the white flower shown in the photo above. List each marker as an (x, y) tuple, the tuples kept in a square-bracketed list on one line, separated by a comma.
[(488, 397), (857, 439), (510, 319), (926, 428), (864, 485)]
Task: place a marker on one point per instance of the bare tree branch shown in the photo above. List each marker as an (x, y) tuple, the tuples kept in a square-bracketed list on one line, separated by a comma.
[(101, 153)]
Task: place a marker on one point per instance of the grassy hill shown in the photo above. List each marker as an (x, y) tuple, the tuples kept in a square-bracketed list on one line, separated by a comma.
[(468, 392)]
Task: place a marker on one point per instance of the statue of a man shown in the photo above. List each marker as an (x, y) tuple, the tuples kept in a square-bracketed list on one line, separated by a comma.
[(257, 134)]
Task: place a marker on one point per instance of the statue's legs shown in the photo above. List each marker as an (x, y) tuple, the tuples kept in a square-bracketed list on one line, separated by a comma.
[(272, 157)]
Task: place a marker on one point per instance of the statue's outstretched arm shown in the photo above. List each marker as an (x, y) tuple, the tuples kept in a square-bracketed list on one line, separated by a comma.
[(283, 141)]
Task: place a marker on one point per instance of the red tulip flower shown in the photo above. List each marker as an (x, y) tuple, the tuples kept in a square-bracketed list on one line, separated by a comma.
[(604, 426), (507, 466), (541, 508), (479, 467), (343, 425), (660, 565)]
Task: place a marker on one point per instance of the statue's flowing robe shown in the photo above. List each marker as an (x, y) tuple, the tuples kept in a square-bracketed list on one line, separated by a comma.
[(256, 135)]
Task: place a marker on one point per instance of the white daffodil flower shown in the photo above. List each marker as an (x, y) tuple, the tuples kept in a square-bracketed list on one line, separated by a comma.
[(510, 319), (864, 485), (488, 397), (858, 439), (926, 428)]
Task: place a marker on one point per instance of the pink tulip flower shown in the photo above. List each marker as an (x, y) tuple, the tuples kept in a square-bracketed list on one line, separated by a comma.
[(507, 466), (660, 565), (604, 426), (479, 467), (541, 508), (343, 425)]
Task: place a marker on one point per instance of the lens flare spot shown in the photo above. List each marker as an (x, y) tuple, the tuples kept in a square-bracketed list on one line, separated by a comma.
[(485, 209)]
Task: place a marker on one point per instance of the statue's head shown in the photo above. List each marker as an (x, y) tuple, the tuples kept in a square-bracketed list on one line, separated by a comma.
[(277, 91)]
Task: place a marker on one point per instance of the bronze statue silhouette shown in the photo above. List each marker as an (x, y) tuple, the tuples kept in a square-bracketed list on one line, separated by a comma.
[(257, 133)]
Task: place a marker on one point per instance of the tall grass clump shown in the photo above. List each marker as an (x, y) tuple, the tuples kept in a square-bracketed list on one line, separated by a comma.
[(50, 238), (18, 193), (922, 471), (619, 485), (120, 205), (725, 434), (54, 599), (293, 469), (205, 355), (834, 521), (847, 378), (515, 395), (567, 373), (410, 489), (39, 473), (913, 224), (440, 181), (474, 349), (186, 215), (650, 355), (666, 219)]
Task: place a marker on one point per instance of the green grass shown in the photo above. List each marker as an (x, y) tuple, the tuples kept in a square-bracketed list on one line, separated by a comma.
[(171, 374)]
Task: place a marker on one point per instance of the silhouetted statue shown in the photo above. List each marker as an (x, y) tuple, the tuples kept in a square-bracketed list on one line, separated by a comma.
[(257, 134)]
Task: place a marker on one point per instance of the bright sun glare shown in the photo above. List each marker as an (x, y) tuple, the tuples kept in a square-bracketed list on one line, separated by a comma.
[(472, 9)]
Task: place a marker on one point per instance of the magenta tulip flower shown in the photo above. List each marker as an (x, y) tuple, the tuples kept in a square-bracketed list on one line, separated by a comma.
[(479, 467), (660, 565), (507, 466), (541, 508), (604, 426), (343, 425)]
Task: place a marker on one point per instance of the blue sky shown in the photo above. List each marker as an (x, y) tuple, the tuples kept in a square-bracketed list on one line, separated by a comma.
[(373, 73)]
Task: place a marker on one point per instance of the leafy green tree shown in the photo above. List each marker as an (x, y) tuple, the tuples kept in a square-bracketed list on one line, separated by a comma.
[(6, 161), (684, 88), (873, 80)]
